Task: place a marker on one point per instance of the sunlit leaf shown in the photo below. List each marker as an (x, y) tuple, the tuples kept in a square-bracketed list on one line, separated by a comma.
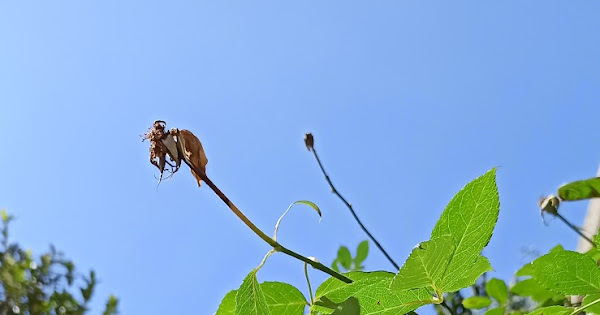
[(469, 218), (425, 266), (371, 289), (567, 272), (227, 306), (249, 299), (581, 189), (552, 310), (495, 311), (283, 299)]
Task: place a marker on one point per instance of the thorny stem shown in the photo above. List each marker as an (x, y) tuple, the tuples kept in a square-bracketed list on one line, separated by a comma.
[(312, 301), (349, 206), (276, 246), (575, 229)]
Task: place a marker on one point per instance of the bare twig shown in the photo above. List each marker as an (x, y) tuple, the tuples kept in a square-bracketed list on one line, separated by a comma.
[(309, 141)]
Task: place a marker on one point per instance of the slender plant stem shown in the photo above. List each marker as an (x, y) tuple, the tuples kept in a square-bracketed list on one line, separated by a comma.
[(276, 246), (445, 305), (312, 301), (575, 229), (349, 206), (579, 309)]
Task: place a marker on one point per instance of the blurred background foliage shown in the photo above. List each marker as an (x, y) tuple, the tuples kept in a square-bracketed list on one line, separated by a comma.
[(44, 284)]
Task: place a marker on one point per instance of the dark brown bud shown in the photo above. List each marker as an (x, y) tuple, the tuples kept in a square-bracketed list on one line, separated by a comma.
[(309, 141)]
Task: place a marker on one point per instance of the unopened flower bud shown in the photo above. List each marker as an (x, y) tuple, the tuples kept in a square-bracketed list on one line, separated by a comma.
[(309, 141), (549, 204)]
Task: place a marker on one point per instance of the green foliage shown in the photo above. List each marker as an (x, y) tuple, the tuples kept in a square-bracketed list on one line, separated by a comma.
[(567, 272), (581, 189), (265, 298), (496, 289), (41, 285), (348, 263), (477, 302)]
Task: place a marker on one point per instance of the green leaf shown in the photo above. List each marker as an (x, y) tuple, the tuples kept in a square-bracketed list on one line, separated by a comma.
[(227, 306), (361, 252), (495, 311), (111, 306), (348, 307), (469, 218), (371, 289), (552, 310), (344, 257), (581, 189), (481, 266), (334, 265), (476, 302), (593, 308), (533, 289), (496, 289), (283, 299), (425, 266), (567, 272), (526, 270), (249, 299), (3, 215)]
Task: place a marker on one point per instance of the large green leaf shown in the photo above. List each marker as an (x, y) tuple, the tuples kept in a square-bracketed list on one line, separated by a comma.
[(283, 299), (227, 306), (249, 299), (469, 218), (481, 266), (425, 266), (552, 310), (495, 311), (567, 272), (476, 302), (496, 289), (581, 189), (594, 306), (371, 289), (264, 298), (531, 288)]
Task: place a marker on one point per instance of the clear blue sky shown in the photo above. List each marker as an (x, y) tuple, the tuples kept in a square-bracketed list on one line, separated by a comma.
[(408, 101)]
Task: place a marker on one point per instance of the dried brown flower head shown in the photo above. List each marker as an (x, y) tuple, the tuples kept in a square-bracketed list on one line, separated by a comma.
[(309, 141)]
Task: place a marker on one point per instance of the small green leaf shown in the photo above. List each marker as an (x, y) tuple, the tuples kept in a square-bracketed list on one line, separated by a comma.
[(227, 306), (344, 257), (249, 299), (361, 252), (581, 189), (496, 289), (111, 306), (469, 218), (334, 265), (495, 311), (533, 289), (476, 302), (552, 310), (593, 308), (283, 299), (567, 272), (371, 289), (425, 266), (4, 215)]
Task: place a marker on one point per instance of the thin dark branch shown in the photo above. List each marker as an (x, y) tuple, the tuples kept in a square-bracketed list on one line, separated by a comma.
[(574, 228), (349, 206)]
